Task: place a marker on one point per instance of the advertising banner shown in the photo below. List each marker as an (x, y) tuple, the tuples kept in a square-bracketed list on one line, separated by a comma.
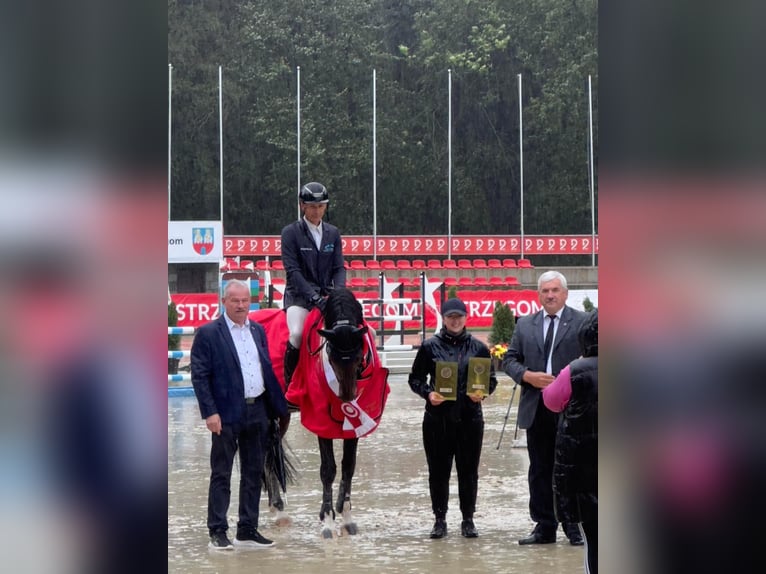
[(197, 309), (195, 241), (426, 245)]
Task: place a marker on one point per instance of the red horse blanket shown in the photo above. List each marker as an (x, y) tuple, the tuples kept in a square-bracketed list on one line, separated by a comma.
[(314, 387)]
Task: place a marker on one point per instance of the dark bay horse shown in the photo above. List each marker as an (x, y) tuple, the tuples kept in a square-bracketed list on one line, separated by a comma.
[(341, 389)]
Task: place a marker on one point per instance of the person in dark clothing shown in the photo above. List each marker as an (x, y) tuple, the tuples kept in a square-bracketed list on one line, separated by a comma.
[(313, 258), (542, 344), (452, 429), (238, 395), (575, 468)]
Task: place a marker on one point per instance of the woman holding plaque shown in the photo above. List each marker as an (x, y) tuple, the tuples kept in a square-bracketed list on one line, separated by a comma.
[(453, 373)]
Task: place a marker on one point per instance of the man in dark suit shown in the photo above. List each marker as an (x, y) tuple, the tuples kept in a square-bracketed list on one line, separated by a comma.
[(238, 396), (313, 260), (542, 345)]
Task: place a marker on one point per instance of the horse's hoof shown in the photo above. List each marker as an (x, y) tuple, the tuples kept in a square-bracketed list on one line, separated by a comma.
[(327, 533), (350, 528), (282, 518)]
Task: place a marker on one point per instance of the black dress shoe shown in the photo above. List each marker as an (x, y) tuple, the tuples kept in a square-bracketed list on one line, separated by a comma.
[(440, 528), (575, 539), (468, 530), (538, 538)]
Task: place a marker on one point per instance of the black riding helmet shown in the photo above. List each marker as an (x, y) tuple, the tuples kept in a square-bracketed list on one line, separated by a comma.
[(314, 193)]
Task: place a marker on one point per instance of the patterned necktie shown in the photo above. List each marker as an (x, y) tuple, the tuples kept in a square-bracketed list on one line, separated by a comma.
[(549, 337)]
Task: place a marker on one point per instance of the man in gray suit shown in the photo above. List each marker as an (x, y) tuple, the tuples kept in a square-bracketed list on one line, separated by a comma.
[(542, 345)]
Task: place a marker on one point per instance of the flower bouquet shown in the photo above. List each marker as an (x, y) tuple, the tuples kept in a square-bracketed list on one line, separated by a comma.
[(497, 353)]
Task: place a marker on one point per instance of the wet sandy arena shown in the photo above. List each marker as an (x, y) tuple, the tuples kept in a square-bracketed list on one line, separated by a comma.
[(389, 497)]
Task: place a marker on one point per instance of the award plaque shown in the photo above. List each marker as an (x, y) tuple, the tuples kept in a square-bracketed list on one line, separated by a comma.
[(446, 380), (478, 376)]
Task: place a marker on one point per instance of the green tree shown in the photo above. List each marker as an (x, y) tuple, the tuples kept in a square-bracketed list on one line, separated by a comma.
[(410, 44), (588, 305), (503, 324)]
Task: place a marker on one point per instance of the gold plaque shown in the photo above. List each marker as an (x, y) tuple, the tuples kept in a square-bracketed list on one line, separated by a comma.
[(446, 380), (478, 376)]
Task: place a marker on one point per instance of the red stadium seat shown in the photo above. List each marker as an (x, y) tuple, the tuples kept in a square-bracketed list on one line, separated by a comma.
[(372, 264), (346, 264), (494, 263), (403, 264), (372, 282), (511, 280), (434, 264), (387, 264), (405, 281), (277, 265), (357, 264), (449, 264), (496, 281), (262, 265), (450, 281), (480, 281), (464, 264), (277, 281), (355, 283), (418, 264), (525, 264), (509, 263), (465, 282), (479, 264)]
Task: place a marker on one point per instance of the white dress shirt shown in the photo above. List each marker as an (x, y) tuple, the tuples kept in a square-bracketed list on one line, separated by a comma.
[(249, 359), (546, 322), (316, 233)]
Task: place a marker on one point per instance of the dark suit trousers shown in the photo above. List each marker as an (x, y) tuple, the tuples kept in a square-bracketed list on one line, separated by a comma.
[(541, 442), (250, 438)]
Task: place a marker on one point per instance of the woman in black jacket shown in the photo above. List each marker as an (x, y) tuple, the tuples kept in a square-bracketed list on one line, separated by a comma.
[(574, 393), (452, 429)]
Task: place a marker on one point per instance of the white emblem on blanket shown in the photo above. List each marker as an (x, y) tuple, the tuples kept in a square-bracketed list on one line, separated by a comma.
[(354, 418)]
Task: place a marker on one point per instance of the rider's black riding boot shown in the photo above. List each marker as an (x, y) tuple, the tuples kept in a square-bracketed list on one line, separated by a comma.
[(291, 361)]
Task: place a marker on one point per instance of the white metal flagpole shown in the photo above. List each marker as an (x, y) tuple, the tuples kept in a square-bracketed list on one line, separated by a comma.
[(298, 99), (521, 170), (592, 176), (220, 133), (170, 124), (374, 169), (449, 168)]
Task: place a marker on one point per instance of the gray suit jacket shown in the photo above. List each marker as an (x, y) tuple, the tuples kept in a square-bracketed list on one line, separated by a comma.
[(526, 353)]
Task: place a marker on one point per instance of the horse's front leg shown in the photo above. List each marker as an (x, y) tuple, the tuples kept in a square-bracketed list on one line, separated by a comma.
[(348, 465), (327, 470)]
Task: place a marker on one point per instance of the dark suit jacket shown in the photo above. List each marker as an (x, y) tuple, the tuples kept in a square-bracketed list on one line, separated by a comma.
[(217, 374), (526, 353), (310, 271)]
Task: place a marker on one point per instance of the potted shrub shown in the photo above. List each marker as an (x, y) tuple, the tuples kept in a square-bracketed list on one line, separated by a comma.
[(174, 341)]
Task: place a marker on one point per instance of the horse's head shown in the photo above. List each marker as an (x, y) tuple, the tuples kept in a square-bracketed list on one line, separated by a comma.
[(344, 332)]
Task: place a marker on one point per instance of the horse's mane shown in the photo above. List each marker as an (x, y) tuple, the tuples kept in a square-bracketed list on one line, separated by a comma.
[(344, 331), (342, 308)]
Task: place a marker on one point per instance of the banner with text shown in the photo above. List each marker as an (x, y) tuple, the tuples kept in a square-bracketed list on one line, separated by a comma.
[(197, 309), (426, 245)]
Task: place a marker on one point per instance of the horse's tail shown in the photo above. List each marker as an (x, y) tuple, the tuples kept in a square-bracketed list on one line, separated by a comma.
[(280, 463)]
